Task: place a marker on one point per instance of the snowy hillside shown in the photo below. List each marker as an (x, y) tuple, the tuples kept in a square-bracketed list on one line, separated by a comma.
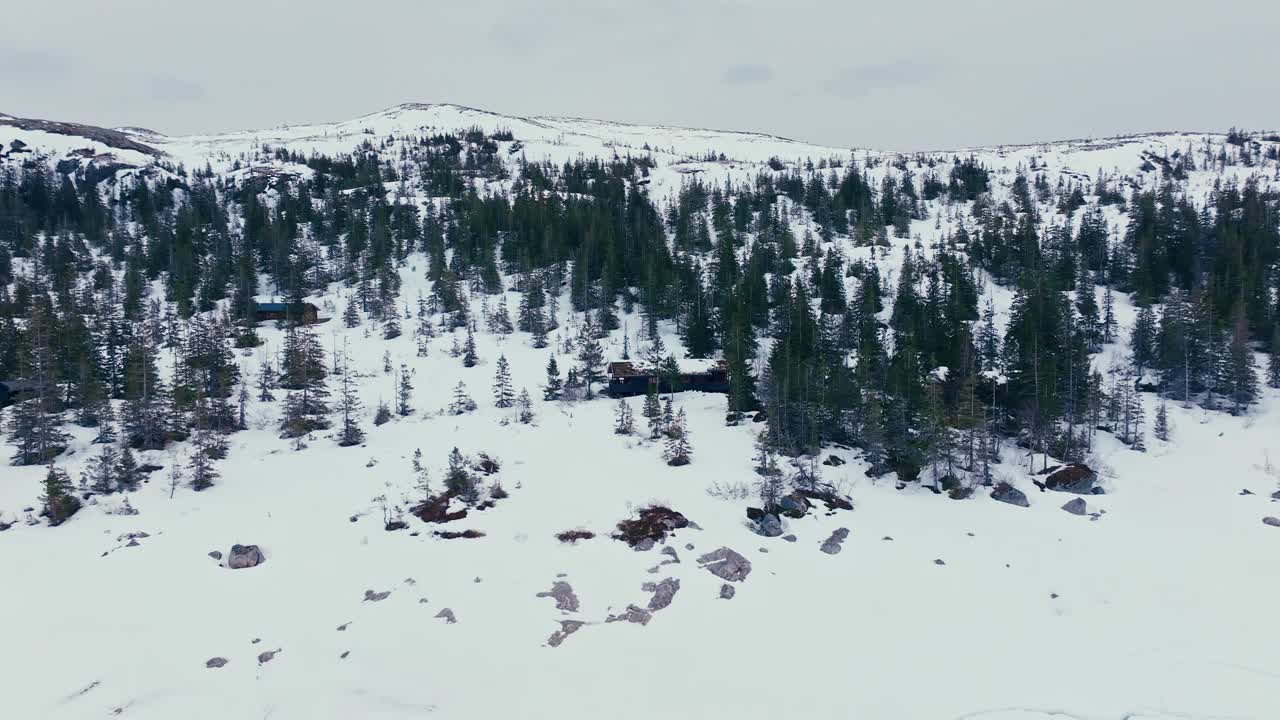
[(1157, 601)]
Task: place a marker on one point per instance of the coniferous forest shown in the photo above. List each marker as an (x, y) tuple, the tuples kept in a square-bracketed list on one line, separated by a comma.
[(104, 280)]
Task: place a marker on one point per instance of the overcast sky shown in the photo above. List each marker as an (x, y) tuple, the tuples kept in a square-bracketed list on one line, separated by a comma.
[(894, 74)]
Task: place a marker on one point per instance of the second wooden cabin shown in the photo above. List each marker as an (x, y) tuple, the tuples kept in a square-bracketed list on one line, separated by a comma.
[(305, 313), (627, 379)]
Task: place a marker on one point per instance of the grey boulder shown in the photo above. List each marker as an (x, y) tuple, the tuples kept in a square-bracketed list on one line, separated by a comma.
[(1076, 507), (245, 556), (769, 526), (1006, 493), (663, 593), (832, 545), (726, 564), (563, 594)]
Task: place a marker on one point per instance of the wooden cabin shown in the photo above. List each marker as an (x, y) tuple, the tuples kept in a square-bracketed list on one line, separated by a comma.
[(305, 313), (15, 391), (627, 379)]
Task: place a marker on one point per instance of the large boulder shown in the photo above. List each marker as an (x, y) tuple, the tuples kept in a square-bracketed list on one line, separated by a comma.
[(663, 593), (563, 594), (633, 614), (832, 545), (1272, 521), (1074, 478), (1006, 493), (652, 524), (794, 505), (768, 525), (245, 556), (567, 628), (726, 564)]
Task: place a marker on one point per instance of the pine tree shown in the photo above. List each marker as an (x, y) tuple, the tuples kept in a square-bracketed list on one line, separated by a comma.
[(462, 402), (57, 499), (624, 421), (1108, 325), (678, 449), (551, 391), (200, 465), (524, 407), (1241, 381), (391, 328), (421, 476), (590, 356), (35, 430), (242, 406), (382, 414), (668, 417), (1161, 428), (469, 357), (404, 393), (100, 472), (351, 316), (106, 424), (128, 476), (349, 407), (503, 394), (266, 381), (500, 319), (652, 405), (458, 478), (655, 354)]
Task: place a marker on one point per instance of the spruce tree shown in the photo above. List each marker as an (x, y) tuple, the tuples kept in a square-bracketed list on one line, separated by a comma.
[(590, 357), (351, 316), (469, 356), (652, 407), (57, 499), (458, 478), (404, 393), (678, 448), (503, 394), (1161, 427), (524, 407), (128, 476), (200, 467), (623, 419), (462, 402), (101, 472), (349, 407), (391, 328), (551, 390)]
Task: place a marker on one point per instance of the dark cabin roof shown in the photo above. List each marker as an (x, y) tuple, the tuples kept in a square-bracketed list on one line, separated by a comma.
[(688, 366), (280, 307)]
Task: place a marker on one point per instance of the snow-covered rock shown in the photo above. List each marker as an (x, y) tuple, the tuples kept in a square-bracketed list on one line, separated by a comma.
[(726, 564), (245, 556)]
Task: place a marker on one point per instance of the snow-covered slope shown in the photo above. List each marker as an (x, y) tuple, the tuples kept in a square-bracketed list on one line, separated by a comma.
[(1160, 605)]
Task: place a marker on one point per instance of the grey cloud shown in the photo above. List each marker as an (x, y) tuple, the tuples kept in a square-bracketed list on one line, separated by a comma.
[(172, 89), (747, 74), (32, 68), (863, 80)]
